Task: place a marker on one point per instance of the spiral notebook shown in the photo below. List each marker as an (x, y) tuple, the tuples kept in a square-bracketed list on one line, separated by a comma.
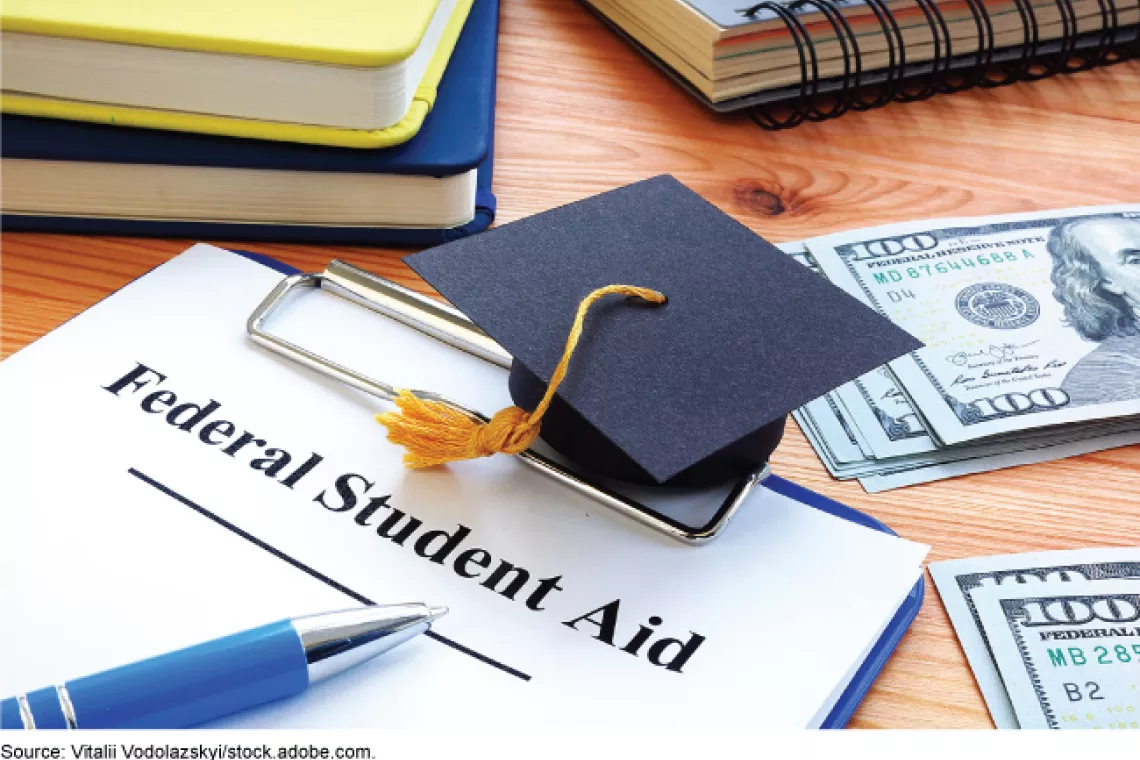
[(810, 60)]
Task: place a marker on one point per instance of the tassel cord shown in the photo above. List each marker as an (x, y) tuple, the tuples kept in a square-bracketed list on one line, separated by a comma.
[(434, 433)]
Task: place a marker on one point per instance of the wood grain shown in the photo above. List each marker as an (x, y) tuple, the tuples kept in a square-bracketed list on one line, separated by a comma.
[(579, 113)]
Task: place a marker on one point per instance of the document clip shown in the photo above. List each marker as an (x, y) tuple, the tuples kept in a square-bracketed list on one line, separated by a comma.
[(449, 325)]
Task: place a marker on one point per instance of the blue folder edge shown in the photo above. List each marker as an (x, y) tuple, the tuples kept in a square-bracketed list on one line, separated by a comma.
[(877, 658)]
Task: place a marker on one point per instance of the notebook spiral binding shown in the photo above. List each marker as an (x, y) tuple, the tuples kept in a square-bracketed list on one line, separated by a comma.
[(946, 71)]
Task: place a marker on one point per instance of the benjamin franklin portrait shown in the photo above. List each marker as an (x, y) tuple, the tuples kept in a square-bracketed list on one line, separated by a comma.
[(1096, 278)]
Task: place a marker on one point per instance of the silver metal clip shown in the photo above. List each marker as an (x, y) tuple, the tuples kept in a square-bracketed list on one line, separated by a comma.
[(447, 324)]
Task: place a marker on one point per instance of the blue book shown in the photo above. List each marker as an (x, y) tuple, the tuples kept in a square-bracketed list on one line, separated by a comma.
[(76, 177)]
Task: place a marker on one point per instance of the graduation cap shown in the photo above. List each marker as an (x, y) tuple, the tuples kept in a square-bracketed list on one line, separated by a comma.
[(692, 388)]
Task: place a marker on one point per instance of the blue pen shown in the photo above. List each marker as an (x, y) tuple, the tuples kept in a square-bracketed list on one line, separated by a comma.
[(223, 676)]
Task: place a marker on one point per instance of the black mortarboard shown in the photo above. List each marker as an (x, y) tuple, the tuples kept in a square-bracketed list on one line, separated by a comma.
[(690, 392)]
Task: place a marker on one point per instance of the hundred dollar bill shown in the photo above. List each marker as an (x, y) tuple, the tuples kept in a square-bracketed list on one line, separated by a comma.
[(1101, 435), (1068, 653), (843, 449), (866, 429), (888, 478), (871, 410), (882, 412), (830, 434), (959, 580), (798, 251), (1029, 320)]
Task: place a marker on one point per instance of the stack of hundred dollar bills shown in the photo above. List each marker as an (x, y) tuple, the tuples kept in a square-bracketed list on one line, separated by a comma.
[(1053, 638), (1031, 326)]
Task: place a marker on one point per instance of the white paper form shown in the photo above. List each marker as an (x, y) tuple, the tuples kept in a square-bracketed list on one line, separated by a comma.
[(128, 529)]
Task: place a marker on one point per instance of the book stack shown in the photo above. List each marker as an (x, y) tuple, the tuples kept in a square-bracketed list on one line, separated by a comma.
[(344, 121)]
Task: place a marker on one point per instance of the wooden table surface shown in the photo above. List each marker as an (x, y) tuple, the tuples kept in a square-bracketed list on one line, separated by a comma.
[(579, 113)]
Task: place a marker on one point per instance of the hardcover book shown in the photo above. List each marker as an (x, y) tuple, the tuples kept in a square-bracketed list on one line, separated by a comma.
[(354, 73)]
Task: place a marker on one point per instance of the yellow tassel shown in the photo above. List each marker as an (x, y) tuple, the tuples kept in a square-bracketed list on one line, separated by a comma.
[(434, 433)]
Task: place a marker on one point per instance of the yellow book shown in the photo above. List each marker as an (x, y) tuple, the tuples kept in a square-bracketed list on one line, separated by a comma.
[(352, 73)]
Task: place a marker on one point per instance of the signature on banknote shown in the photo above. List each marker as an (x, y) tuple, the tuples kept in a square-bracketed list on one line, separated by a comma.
[(1002, 352)]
